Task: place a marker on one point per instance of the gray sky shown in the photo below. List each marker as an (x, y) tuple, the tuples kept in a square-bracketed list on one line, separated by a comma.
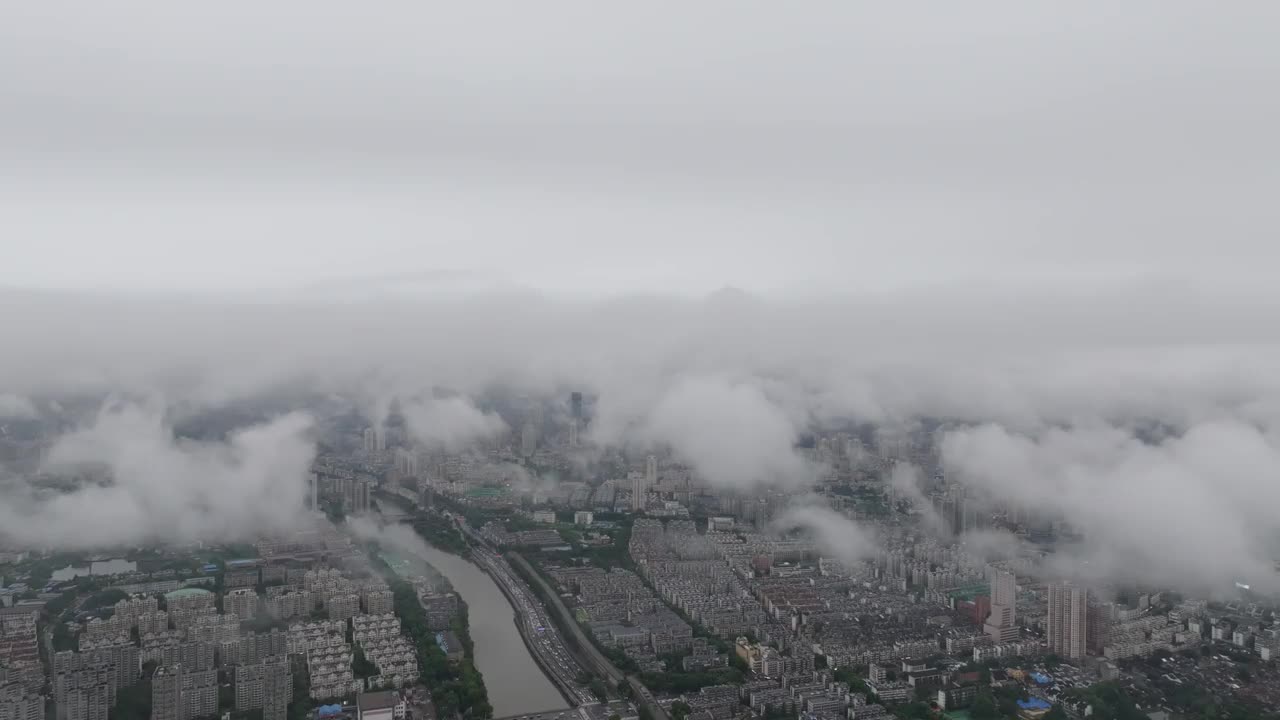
[(660, 145)]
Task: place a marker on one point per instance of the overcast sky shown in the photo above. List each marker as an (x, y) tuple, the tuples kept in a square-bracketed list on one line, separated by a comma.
[(676, 146)]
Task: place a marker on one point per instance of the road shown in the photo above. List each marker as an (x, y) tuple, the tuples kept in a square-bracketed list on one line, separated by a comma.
[(599, 662), (540, 634)]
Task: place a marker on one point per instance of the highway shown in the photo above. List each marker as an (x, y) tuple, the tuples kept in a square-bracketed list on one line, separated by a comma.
[(540, 635), (597, 659), (508, 580)]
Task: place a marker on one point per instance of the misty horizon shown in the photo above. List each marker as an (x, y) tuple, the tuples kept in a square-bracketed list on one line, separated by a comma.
[(763, 333)]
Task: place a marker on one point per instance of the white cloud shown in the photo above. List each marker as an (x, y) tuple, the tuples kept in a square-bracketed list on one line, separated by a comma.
[(16, 406), (730, 431), (166, 489), (451, 423), (1192, 511)]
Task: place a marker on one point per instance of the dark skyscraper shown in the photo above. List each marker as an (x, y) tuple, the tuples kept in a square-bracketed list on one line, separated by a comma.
[(575, 405)]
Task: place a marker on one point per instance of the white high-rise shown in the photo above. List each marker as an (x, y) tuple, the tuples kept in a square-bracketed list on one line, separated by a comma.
[(375, 439), (639, 491), (1068, 620), (1001, 625), (651, 471)]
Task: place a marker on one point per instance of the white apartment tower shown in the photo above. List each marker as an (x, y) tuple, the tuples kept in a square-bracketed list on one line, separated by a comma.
[(1001, 625), (1068, 620), (639, 491)]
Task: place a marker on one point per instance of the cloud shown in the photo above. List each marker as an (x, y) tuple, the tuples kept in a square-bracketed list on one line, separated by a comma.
[(1028, 386), (450, 423), (729, 431), (16, 406), (837, 535), (1191, 511), (163, 489), (905, 479)]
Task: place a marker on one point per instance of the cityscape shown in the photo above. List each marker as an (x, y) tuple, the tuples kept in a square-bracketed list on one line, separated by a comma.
[(531, 573), (698, 360)]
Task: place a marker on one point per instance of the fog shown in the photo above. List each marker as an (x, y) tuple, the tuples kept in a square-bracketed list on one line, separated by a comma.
[(1044, 403), (158, 488), (1050, 227)]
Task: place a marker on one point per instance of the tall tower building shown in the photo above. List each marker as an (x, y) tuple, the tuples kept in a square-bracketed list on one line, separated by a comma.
[(575, 405), (529, 439), (1001, 625), (267, 686), (1068, 620), (166, 693), (573, 433), (651, 471), (639, 491)]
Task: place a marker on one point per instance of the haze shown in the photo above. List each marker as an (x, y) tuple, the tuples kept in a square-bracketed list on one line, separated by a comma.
[(1049, 229), (664, 147)]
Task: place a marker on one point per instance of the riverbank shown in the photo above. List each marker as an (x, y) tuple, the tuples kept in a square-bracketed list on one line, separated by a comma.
[(566, 690), (501, 650)]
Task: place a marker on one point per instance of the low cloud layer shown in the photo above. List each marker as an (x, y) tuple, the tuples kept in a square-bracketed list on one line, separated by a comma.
[(1147, 420), (1191, 511), (159, 488), (450, 423), (15, 406), (730, 431), (837, 535)]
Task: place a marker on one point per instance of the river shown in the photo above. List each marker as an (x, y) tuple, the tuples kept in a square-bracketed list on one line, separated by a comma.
[(515, 681)]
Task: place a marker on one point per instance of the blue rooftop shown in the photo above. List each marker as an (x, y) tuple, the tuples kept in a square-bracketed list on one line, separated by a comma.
[(1034, 704)]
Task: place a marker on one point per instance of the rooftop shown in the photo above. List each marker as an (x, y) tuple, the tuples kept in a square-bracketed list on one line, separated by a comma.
[(187, 592), (377, 700)]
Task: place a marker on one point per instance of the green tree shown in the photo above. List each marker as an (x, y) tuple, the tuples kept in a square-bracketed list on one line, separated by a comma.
[(984, 706), (361, 666), (680, 710)]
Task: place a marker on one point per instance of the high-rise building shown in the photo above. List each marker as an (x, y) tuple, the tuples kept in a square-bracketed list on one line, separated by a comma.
[(88, 703), (651, 471), (1068, 620), (18, 704), (375, 439), (242, 602), (639, 491), (1102, 615), (199, 694), (378, 602), (575, 405), (166, 693), (529, 439), (267, 686), (1001, 625), (573, 433)]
